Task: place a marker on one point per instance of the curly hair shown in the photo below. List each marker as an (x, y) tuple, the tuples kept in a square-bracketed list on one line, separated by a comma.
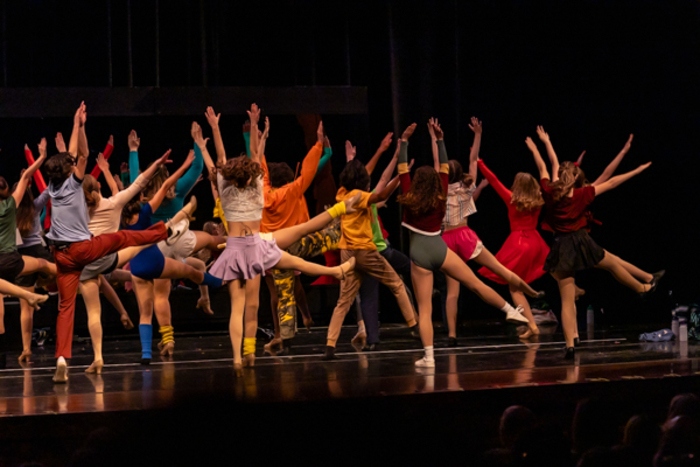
[(3, 188), (59, 167), (25, 212), (457, 174), (525, 193), (569, 176), (240, 171), (280, 174), (426, 192), (92, 191), (129, 210), (354, 176)]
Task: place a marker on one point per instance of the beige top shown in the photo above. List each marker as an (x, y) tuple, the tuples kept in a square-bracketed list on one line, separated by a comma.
[(106, 216)]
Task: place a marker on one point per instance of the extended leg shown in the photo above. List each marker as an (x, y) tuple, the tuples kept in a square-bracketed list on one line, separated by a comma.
[(113, 298), (643, 276), (91, 296), (288, 261), (485, 258), (520, 300), (611, 265)]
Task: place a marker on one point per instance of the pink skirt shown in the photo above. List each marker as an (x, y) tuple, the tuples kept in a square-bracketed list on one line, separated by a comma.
[(463, 241), (246, 258)]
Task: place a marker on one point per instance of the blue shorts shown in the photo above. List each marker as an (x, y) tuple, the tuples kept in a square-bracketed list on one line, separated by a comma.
[(148, 264)]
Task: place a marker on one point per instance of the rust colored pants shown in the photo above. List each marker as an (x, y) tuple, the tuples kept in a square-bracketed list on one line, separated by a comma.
[(70, 263)]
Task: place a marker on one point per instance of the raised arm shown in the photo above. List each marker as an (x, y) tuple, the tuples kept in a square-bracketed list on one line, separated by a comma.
[(404, 171), (83, 151), (442, 161), (503, 192), (38, 178), (479, 189), (73, 142), (378, 197), (26, 177), (199, 140), (60, 143), (544, 137), (263, 138), (541, 166), (477, 128), (388, 171), (433, 144), (213, 119), (134, 166), (350, 151), (103, 164), (619, 179), (310, 163), (157, 199), (612, 166), (254, 115), (386, 142), (109, 148)]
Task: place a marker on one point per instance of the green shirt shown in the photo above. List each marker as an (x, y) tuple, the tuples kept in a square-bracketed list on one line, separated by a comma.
[(8, 225), (377, 236)]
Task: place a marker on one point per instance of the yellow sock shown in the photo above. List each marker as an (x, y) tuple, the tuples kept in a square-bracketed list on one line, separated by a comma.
[(337, 210), (166, 334), (248, 345)]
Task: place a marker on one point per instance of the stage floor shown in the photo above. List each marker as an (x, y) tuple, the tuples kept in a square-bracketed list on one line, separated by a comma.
[(203, 363)]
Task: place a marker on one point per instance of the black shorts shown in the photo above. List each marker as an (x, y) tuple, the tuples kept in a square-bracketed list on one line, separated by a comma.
[(35, 251), (11, 265)]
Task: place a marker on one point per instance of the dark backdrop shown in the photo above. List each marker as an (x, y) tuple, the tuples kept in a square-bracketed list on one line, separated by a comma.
[(591, 72)]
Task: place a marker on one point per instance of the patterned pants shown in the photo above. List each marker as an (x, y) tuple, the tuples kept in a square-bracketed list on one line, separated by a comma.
[(306, 247)]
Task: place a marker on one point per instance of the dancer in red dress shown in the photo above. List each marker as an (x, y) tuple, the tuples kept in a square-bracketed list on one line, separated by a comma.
[(524, 251)]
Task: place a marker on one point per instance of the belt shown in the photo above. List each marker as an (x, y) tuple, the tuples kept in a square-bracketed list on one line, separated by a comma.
[(58, 245)]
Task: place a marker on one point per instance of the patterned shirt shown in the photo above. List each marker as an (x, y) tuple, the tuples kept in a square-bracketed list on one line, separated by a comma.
[(460, 203)]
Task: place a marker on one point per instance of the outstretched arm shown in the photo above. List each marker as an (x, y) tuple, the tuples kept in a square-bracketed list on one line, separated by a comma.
[(442, 161), (388, 172), (26, 177), (480, 187), (134, 142), (327, 154), (107, 153), (503, 192), (311, 161), (541, 166), (263, 138), (612, 167), (213, 119), (404, 171), (619, 179), (477, 128), (158, 198), (386, 142), (544, 137), (199, 140), (73, 142), (83, 151), (433, 144)]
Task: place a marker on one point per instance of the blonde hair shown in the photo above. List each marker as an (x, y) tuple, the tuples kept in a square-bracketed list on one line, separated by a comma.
[(156, 182), (569, 174), (526, 194), (92, 191)]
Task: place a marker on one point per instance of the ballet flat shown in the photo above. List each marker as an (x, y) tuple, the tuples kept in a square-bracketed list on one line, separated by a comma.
[(95, 367)]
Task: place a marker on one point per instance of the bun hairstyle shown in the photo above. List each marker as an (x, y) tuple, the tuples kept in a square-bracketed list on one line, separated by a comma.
[(457, 174), (92, 191), (569, 176), (25, 212), (59, 167), (426, 192), (354, 176), (129, 210), (280, 174), (240, 171), (526, 194)]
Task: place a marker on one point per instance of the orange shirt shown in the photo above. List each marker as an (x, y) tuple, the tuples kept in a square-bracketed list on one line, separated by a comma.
[(356, 228), (286, 206)]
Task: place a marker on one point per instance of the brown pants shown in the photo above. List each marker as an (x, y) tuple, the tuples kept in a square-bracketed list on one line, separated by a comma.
[(372, 263)]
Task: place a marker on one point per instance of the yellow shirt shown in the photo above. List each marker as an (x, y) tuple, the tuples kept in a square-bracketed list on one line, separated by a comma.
[(356, 228)]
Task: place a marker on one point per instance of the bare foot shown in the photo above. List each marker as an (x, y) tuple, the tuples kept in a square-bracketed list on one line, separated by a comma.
[(205, 305), (25, 356), (344, 269), (579, 292), (351, 202), (530, 333), (360, 338), (126, 322), (35, 300), (268, 347)]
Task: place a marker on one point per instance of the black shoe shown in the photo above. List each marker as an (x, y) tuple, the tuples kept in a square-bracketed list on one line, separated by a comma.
[(371, 347), (330, 353), (657, 276), (540, 295), (145, 361), (577, 342), (569, 354), (414, 331), (452, 342)]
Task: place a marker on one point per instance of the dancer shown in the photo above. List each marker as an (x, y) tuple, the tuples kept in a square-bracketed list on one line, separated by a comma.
[(150, 264), (72, 244), (248, 253), (524, 251), (357, 242), (460, 238), (105, 215), (424, 201), (573, 249)]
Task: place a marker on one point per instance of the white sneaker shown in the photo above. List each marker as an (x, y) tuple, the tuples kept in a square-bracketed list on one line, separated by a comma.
[(515, 316), (425, 363), (61, 375)]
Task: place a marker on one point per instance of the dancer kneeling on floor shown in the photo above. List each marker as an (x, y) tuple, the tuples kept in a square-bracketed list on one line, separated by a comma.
[(424, 201)]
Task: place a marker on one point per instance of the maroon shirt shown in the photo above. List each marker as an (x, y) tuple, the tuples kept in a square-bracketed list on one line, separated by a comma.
[(567, 214), (430, 222)]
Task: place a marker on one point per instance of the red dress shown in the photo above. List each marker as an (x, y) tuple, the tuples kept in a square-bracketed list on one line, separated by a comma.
[(524, 251)]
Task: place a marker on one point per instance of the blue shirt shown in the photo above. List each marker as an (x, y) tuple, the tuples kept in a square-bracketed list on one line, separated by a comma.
[(144, 221), (69, 212)]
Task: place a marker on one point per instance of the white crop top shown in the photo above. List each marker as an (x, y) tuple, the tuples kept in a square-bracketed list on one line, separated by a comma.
[(241, 205)]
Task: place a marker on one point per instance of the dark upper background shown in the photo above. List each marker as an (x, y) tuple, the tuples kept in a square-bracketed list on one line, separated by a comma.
[(591, 72)]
